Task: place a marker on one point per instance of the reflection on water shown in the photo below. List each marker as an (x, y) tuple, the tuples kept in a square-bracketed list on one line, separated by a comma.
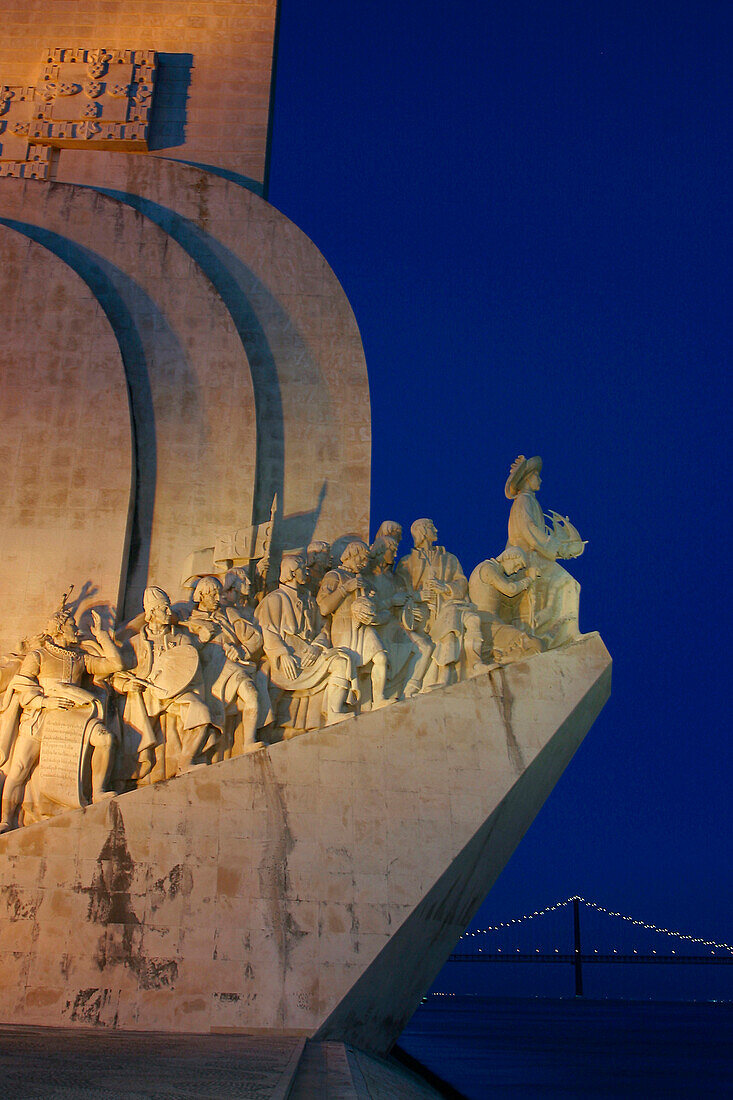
[(551, 1047)]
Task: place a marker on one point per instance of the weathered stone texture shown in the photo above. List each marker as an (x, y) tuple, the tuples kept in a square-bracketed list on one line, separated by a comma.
[(278, 890), (215, 64), (195, 445), (295, 323), (40, 1062), (244, 362), (65, 444)]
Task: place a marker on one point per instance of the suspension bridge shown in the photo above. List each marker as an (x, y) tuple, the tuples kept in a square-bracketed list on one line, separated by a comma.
[(718, 953)]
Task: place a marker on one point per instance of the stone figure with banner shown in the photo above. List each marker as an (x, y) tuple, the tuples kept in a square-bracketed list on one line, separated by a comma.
[(52, 728)]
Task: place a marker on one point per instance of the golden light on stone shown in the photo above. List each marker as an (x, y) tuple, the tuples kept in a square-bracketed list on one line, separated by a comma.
[(264, 768)]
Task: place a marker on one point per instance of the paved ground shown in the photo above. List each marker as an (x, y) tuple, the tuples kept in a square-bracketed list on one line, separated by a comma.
[(71, 1065), (60, 1064)]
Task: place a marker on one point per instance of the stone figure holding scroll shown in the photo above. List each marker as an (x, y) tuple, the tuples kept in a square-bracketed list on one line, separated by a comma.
[(346, 599), (165, 688), (440, 591), (51, 711), (314, 679), (496, 587), (552, 609)]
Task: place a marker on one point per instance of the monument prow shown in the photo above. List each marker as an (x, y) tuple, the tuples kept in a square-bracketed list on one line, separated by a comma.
[(259, 775), (314, 887)]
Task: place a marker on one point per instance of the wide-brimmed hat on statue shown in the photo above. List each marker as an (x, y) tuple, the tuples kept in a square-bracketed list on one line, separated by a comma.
[(520, 469)]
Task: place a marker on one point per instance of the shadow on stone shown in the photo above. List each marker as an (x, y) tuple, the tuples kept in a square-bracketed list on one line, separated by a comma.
[(168, 117)]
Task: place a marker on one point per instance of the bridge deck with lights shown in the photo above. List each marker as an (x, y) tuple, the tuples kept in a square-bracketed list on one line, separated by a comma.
[(577, 957), (509, 957)]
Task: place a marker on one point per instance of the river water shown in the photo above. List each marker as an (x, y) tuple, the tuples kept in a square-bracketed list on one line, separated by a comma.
[(556, 1047)]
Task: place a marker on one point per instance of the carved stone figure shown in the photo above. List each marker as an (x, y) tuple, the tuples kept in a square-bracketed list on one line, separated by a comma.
[(164, 693), (389, 529), (45, 704), (210, 673), (346, 598), (552, 612), (228, 668), (440, 591), (315, 679), (408, 649), (495, 587), (318, 563), (236, 591)]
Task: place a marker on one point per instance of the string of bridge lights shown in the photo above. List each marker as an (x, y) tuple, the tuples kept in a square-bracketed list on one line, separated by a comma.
[(648, 925)]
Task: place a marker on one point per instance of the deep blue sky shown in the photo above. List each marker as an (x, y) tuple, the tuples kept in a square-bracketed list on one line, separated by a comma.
[(528, 207)]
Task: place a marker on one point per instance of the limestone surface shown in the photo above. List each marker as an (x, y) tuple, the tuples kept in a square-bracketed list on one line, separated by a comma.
[(241, 355), (163, 312), (43, 1062), (64, 506), (214, 71), (314, 887)]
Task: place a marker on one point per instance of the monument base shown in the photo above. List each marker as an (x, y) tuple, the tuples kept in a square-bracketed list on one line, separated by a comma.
[(314, 888)]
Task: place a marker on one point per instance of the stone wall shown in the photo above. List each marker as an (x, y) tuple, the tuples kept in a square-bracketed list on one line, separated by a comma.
[(212, 98), (314, 887), (242, 358), (66, 463)]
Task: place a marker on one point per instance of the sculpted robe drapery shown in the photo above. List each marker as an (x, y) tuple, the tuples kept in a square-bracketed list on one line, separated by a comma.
[(553, 613), (450, 618), (498, 599), (142, 709), (219, 631), (527, 527), (361, 639), (290, 620), (421, 566), (494, 592), (402, 648)]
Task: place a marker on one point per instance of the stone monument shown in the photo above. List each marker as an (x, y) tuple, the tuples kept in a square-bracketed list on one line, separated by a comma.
[(258, 774)]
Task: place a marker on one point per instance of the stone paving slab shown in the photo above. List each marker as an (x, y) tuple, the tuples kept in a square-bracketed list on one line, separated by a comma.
[(60, 1064), (56, 1063)]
